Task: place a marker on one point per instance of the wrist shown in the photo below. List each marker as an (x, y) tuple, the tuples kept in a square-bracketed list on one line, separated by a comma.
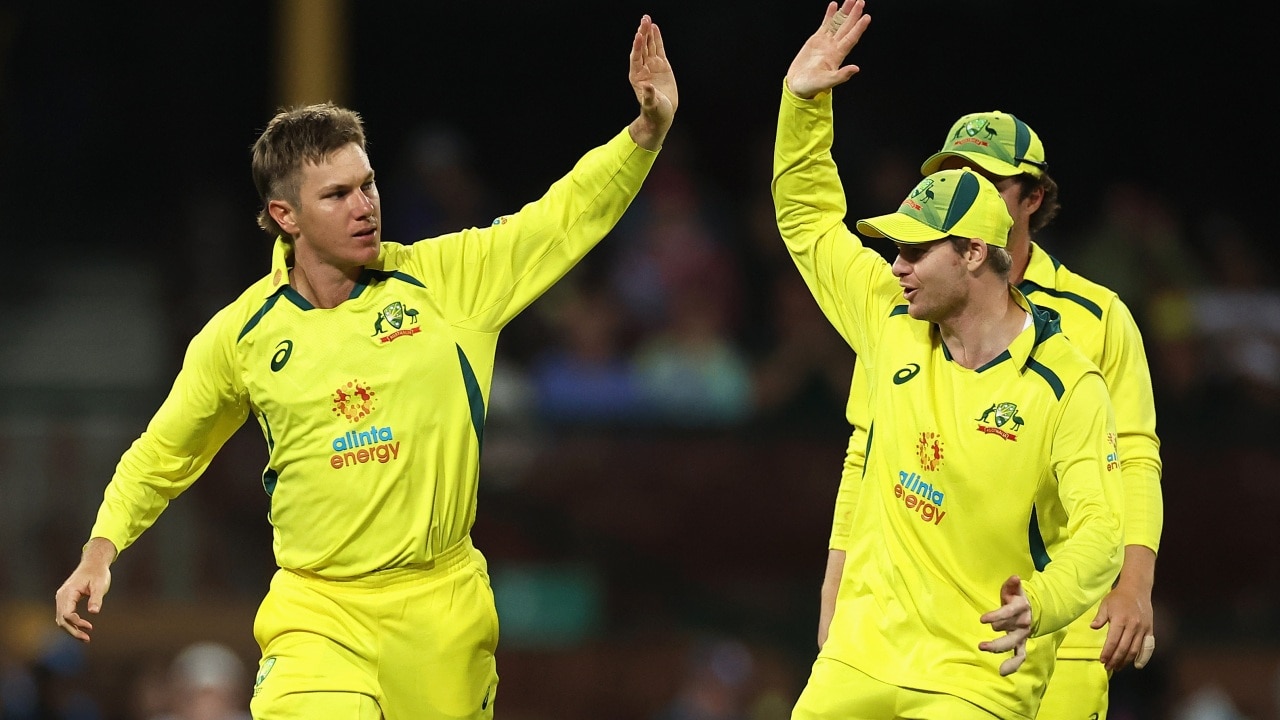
[(647, 133), (98, 550)]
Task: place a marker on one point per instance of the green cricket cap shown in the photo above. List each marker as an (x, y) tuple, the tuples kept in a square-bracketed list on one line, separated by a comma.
[(996, 141), (948, 202)]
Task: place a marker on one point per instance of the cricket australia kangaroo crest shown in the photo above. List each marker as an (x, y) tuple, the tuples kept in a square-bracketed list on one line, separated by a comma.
[(395, 315)]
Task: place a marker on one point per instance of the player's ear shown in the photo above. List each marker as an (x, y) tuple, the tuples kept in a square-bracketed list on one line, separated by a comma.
[(1034, 199), (282, 212), (976, 254)]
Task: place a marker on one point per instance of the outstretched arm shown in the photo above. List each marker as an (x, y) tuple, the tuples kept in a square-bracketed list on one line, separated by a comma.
[(818, 66), (654, 85)]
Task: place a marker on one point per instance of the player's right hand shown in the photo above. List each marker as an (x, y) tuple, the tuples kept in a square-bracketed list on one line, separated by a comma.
[(91, 580), (1013, 617)]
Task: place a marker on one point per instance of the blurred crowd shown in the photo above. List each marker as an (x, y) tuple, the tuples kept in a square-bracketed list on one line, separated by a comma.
[(690, 319)]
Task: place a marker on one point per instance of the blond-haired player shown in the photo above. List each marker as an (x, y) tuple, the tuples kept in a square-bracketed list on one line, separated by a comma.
[(368, 366)]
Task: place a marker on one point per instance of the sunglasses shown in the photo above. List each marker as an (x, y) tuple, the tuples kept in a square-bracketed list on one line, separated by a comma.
[(915, 252)]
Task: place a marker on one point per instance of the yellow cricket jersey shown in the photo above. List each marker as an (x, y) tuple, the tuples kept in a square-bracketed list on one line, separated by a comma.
[(373, 411), (961, 464), (1098, 322)]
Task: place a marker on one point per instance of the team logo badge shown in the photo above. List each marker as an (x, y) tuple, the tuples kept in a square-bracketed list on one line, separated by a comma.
[(929, 450), (1001, 413), (395, 315), (976, 126), (354, 401), (263, 672)]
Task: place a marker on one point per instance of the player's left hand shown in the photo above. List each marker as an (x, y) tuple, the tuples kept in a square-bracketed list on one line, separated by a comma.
[(820, 64), (1014, 618), (1131, 633), (654, 84)]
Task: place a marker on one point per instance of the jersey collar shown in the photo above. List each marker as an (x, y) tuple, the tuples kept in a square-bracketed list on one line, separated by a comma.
[(1044, 324), (282, 257), (281, 254), (1041, 269)]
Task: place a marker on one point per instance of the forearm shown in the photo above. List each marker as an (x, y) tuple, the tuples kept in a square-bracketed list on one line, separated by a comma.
[(1138, 574), (830, 589)]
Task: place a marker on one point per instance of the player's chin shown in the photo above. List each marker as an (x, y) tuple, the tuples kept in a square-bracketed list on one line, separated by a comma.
[(366, 248)]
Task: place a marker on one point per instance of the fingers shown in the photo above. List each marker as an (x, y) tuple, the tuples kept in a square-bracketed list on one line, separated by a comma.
[(76, 626), (1100, 619), (1011, 588), (846, 23), (1144, 655), (65, 615), (1122, 648), (655, 39), (1009, 641), (648, 96), (638, 45), (1011, 665), (832, 8), (1013, 615)]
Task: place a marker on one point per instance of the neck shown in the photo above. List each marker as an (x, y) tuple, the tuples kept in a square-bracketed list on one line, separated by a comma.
[(323, 285), (984, 329), (1019, 248)]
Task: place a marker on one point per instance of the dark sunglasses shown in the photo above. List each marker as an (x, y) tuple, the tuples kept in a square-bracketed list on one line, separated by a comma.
[(915, 252)]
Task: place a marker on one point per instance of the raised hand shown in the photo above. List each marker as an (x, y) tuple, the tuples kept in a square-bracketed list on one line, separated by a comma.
[(818, 66), (654, 84), (1013, 617)]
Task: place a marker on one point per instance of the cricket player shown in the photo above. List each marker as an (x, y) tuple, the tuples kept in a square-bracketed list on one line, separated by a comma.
[(988, 432), (368, 366), (1121, 628)]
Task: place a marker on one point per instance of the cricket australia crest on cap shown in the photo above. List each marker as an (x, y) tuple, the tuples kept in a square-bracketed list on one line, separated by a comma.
[(948, 203), (996, 141)]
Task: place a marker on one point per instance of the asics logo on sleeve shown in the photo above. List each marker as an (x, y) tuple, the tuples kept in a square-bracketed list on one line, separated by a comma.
[(906, 373)]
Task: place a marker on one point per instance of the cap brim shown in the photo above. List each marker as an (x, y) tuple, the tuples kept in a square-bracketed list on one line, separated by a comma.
[(899, 228), (986, 162)]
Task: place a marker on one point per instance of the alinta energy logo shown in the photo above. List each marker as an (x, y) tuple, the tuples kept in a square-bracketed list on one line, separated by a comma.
[(1113, 457), (1001, 413), (920, 497), (395, 315), (355, 401)]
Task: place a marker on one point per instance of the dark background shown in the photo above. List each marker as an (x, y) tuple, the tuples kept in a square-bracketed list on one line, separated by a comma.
[(124, 143)]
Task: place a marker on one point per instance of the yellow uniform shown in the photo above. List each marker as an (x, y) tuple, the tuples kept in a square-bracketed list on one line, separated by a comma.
[(1099, 323), (373, 411), (961, 465)]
